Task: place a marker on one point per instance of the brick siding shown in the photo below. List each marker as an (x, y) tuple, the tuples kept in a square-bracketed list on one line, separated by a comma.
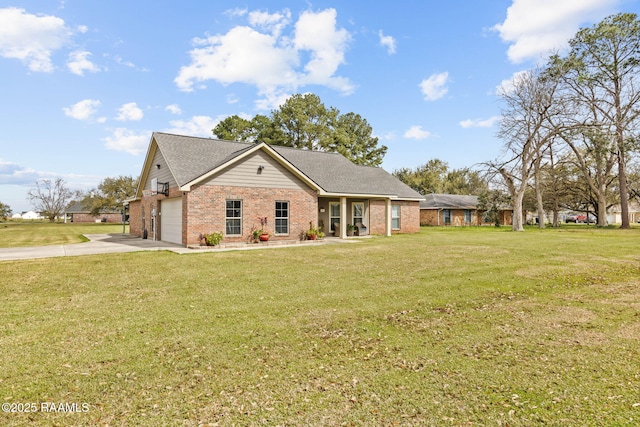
[(434, 217), (135, 218), (409, 216), (203, 211), (206, 207), (85, 217)]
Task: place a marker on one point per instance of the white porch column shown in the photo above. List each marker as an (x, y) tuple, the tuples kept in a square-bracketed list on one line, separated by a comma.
[(343, 217), (388, 212)]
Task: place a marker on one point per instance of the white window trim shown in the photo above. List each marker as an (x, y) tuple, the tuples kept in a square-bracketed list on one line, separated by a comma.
[(276, 217), (232, 217), (333, 218), (396, 209), (353, 212)]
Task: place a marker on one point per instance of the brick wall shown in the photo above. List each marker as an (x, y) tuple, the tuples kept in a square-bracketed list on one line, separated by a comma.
[(140, 213), (435, 217), (135, 218), (506, 217), (206, 205), (377, 217), (430, 217), (409, 216), (203, 211), (85, 217)]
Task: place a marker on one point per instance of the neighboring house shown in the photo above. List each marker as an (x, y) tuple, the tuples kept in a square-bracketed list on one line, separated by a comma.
[(77, 213), (31, 215), (457, 210), (190, 186), (614, 213)]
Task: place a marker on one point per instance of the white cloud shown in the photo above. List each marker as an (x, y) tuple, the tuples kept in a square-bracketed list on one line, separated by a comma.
[(15, 174), (243, 55), (416, 132), (259, 55), (130, 111), (236, 12), (389, 136), (196, 126), (79, 63), (480, 123), (534, 28), (388, 42), (272, 100), (232, 98), (272, 22), (173, 109), (506, 86), (128, 141), (82, 110), (435, 87), (121, 61), (317, 34), (31, 38)]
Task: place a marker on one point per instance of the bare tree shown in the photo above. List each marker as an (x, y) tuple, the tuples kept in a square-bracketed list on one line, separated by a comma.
[(527, 127), (50, 198)]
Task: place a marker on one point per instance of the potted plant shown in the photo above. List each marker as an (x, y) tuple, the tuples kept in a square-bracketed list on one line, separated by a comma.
[(312, 233), (260, 234), (350, 229), (211, 239)]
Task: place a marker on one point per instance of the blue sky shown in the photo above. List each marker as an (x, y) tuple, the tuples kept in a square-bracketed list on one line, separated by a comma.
[(83, 84)]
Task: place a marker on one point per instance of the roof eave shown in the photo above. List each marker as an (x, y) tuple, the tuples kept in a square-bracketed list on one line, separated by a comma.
[(151, 151), (368, 196)]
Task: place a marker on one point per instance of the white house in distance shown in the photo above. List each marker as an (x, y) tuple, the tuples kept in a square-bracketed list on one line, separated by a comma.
[(27, 215)]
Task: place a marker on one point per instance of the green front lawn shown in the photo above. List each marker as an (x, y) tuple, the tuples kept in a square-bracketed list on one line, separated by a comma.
[(449, 327), (39, 233)]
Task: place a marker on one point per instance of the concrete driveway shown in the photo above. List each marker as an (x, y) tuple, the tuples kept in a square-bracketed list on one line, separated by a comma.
[(98, 244)]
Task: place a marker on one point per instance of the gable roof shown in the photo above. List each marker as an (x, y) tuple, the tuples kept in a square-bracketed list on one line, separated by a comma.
[(449, 201), (192, 159)]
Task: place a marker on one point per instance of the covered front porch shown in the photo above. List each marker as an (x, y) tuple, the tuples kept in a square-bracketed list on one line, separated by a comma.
[(343, 215)]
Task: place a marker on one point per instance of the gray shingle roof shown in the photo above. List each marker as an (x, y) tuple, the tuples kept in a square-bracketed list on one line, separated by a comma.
[(448, 201), (189, 158)]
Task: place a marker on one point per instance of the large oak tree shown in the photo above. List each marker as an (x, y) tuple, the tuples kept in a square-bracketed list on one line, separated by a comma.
[(602, 71), (304, 122)]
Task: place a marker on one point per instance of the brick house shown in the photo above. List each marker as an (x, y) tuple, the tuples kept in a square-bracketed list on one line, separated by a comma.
[(456, 210), (75, 212), (190, 186)]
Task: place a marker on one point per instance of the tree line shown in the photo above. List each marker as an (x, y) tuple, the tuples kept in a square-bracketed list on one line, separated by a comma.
[(52, 197), (575, 119)]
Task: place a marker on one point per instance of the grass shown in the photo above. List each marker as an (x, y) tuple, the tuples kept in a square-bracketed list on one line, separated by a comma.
[(38, 233), (449, 327)]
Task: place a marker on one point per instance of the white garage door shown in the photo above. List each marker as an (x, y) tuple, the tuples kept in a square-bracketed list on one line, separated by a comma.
[(171, 220)]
